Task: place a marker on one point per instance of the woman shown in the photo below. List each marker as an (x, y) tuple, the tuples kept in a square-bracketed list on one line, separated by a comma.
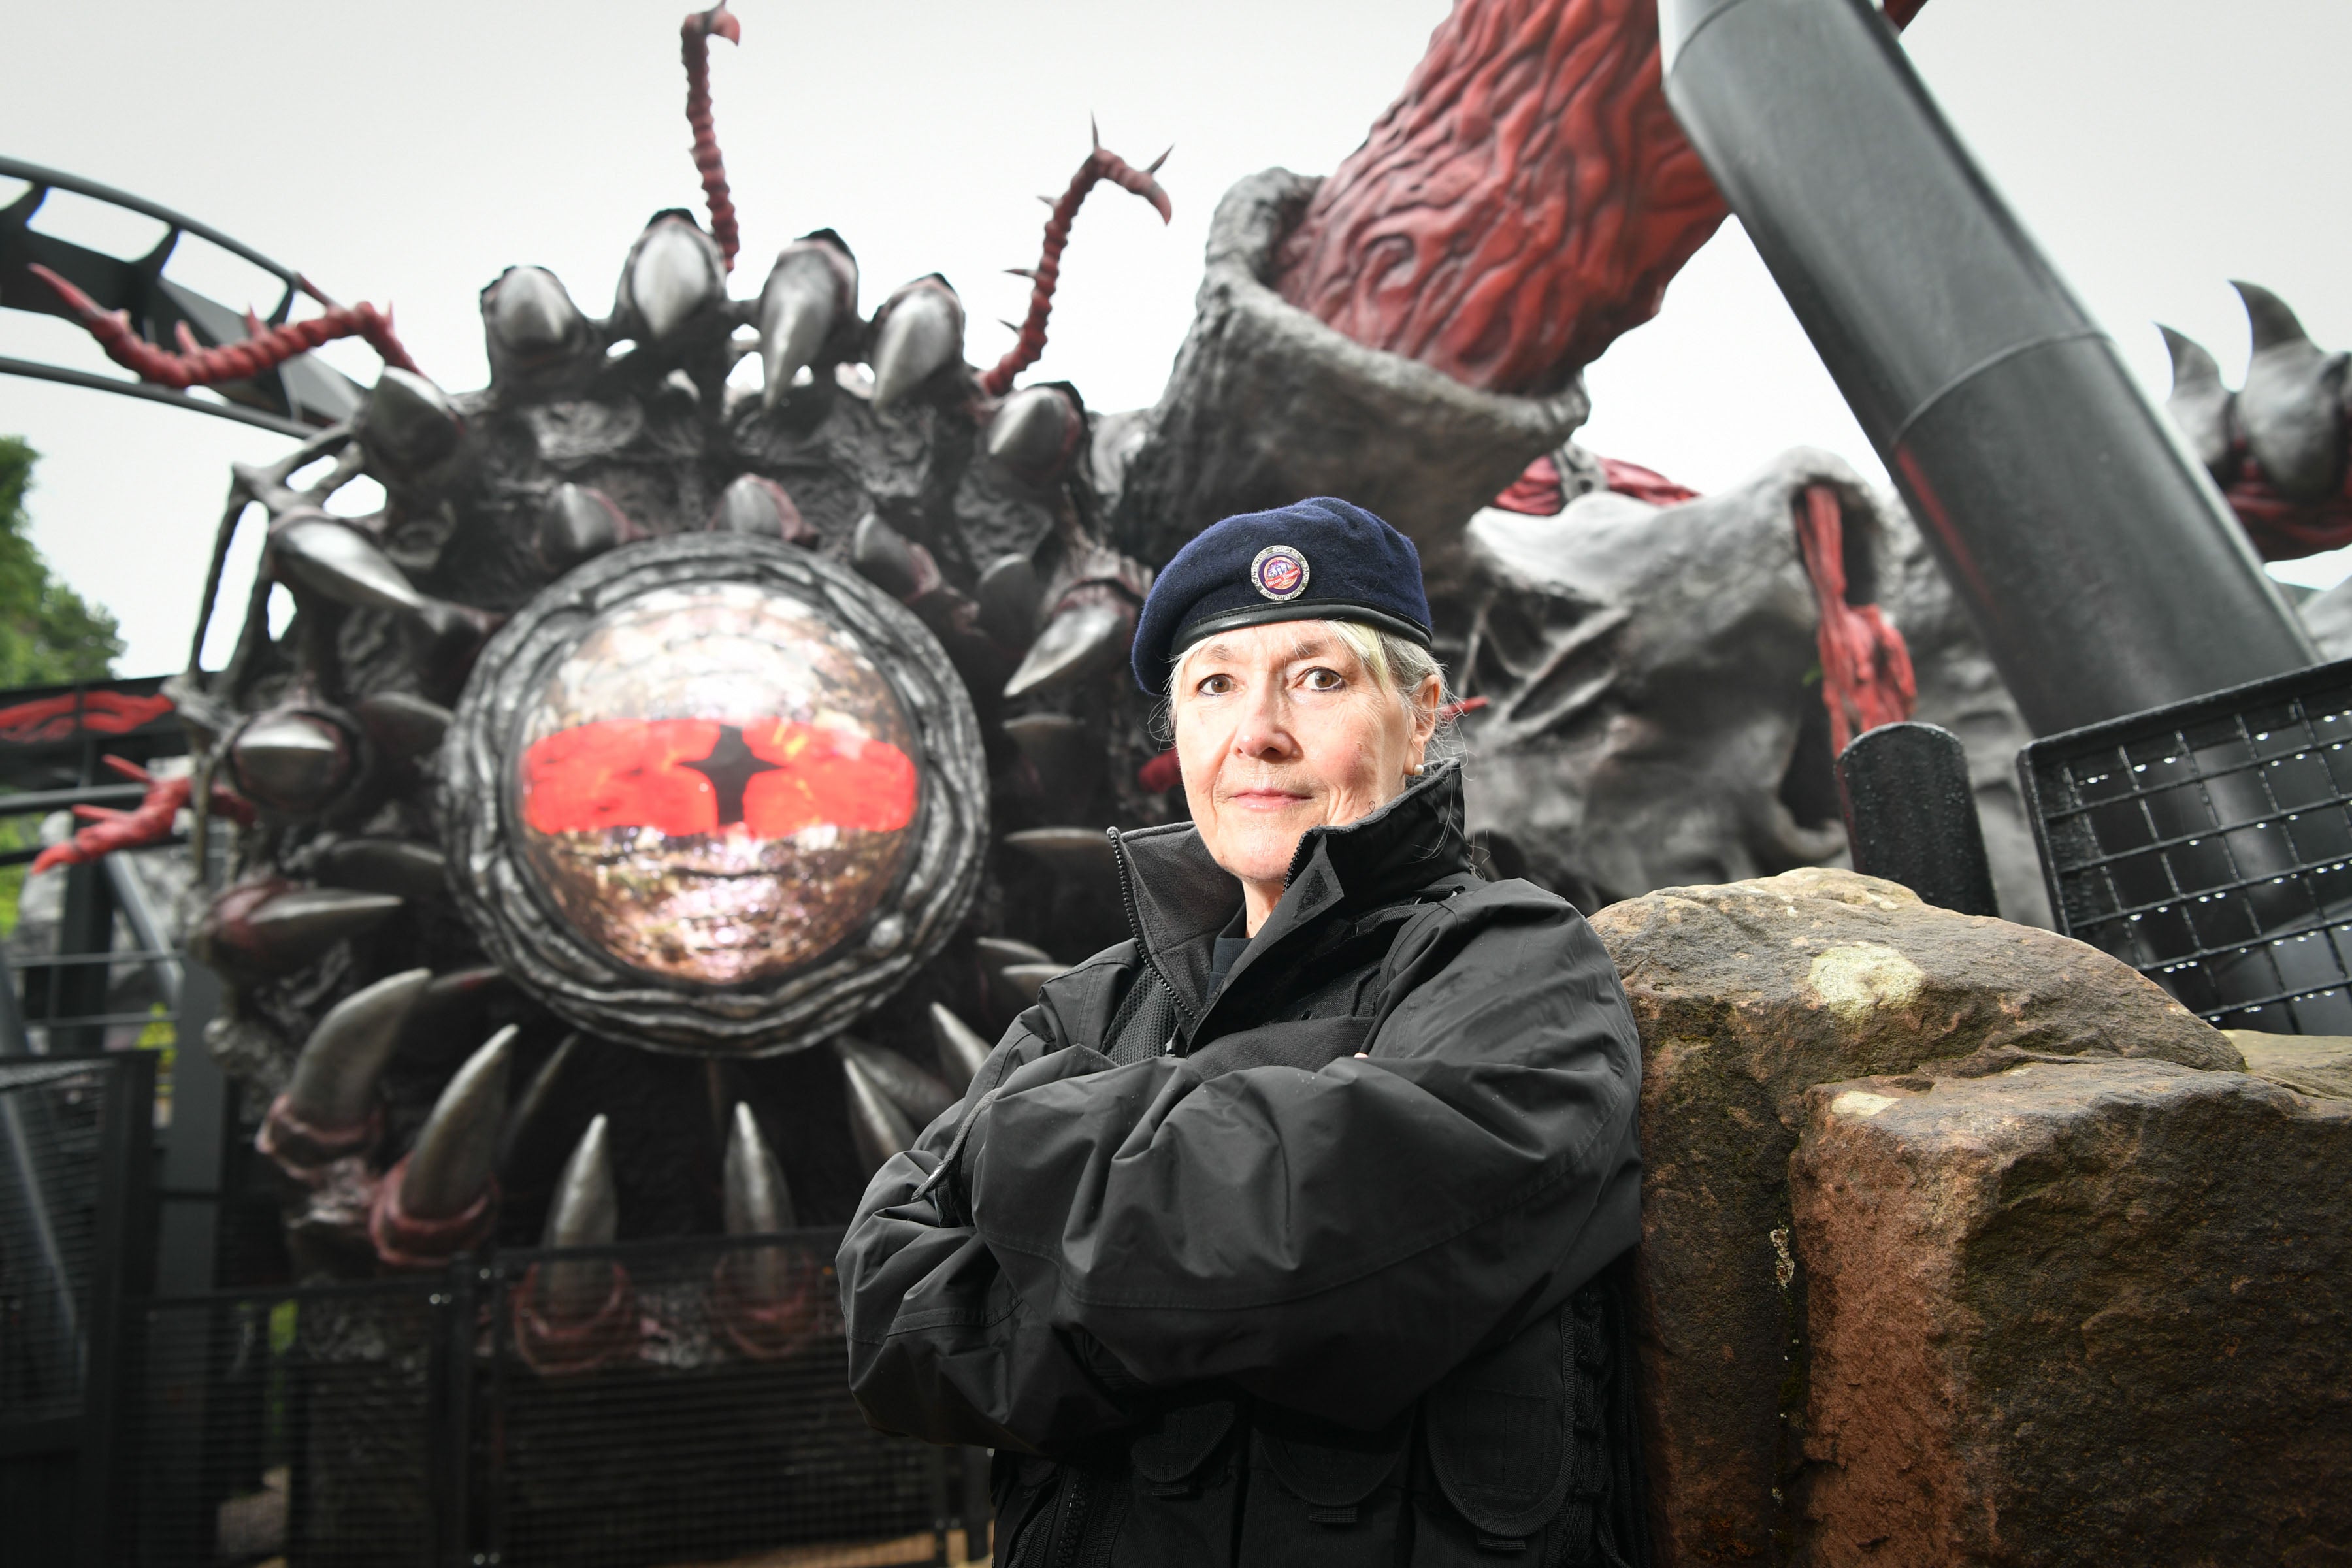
[(1279, 1233)]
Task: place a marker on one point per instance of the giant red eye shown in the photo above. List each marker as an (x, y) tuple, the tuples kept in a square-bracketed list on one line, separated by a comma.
[(686, 776)]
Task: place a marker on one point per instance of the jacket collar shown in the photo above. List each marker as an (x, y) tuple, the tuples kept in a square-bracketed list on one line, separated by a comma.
[(1178, 899)]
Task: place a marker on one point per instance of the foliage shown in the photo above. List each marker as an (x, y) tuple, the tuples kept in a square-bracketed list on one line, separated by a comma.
[(49, 633)]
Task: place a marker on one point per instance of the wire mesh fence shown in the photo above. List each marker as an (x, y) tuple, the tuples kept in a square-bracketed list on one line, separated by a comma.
[(648, 1403), (2209, 845), (72, 1227)]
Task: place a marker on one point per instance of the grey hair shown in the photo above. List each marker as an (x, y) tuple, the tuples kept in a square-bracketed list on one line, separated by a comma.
[(1399, 665)]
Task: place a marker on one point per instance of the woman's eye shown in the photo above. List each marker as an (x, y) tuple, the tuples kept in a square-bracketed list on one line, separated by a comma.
[(1214, 685), (1321, 680)]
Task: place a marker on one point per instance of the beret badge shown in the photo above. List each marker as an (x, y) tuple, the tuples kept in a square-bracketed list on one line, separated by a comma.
[(1279, 572)]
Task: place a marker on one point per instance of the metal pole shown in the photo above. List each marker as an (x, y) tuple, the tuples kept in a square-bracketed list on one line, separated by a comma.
[(2100, 565)]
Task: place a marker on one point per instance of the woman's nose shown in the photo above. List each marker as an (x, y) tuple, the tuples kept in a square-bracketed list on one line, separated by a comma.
[(1263, 732)]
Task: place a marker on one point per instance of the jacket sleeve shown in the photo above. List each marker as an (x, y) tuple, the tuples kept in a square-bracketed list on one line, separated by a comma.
[(941, 1345), (1337, 1241)]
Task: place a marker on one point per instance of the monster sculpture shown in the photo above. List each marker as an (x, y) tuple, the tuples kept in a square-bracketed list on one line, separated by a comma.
[(663, 800)]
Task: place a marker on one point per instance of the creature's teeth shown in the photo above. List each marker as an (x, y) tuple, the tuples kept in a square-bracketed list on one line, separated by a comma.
[(1035, 432), (1008, 600), (334, 1078), (875, 1126), (921, 331), (761, 508), (333, 559), (395, 865), (674, 275), (891, 561), (914, 1091), (401, 724), (799, 306), (2199, 404), (1059, 748), (584, 1212), (577, 523), (960, 1048), (450, 1166), (1024, 980), (1080, 641), (291, 760), (2269, 321), (1075, 853), (996, 951), (2292, 407), (256, 931), (408, 421), (757, 1200), (523, 1125), (529, 318)]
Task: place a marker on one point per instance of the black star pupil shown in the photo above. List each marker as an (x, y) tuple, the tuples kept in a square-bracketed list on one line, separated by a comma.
[(730, 767)]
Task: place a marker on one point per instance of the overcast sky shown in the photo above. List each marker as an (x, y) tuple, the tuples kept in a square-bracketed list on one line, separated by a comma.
[(405, 154)]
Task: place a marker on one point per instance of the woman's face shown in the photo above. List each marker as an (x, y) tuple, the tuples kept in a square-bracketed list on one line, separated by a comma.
[(1279, 729)]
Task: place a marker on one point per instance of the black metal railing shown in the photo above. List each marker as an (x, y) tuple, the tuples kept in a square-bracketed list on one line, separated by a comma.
[(651, 1403), (2210, 846)]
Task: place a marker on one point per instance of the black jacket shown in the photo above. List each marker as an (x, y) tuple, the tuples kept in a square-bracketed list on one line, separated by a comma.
[(1246, 1297)]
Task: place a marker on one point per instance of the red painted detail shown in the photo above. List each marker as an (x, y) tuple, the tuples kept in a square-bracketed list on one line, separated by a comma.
[(1539, 492), (1866, 678), (1524, 202), (1644, 484), (100, 712), (145, 824), (1102, 164), (694, 44), (1162, 774), (264, 349), (631, 772), (2282, 528)]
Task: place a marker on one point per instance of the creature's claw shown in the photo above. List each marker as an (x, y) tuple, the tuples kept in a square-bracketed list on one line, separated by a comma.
[(1007, 595), (577, 523), (762, 508), (408, 422), (2199, 404), (674, 275), (914, 1091), (891, 561), (1086, 636), (260, 929), (530, 321), (876, 1127), (449, 1170), (2292, 407), (1036, 432), (918, 334), (960, 1048), (810, 292), (333, 559), (294, 761), (328, 1105)]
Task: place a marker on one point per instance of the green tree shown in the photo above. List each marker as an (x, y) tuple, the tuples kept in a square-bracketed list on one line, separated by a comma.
[(49, 633)]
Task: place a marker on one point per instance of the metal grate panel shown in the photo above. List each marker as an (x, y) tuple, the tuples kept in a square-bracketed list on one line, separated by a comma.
[(691, 1404), (298, 1426), (2209, 845), (51, 1127)]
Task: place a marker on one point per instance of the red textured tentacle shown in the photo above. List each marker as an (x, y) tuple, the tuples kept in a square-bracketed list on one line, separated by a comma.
[(694, 39), (1867, 676), (197, 366), (1102, 164)]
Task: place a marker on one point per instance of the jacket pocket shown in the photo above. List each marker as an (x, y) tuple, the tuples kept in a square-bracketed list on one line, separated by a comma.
[(1501, 1442), (1320, 1494), (1183, 1484)]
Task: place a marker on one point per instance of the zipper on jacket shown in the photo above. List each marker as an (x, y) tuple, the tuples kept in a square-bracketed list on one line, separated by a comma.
[(1069, 1527), (1135, 924)]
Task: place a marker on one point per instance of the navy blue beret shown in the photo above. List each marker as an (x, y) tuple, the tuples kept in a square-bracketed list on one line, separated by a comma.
[(1318, 560)]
